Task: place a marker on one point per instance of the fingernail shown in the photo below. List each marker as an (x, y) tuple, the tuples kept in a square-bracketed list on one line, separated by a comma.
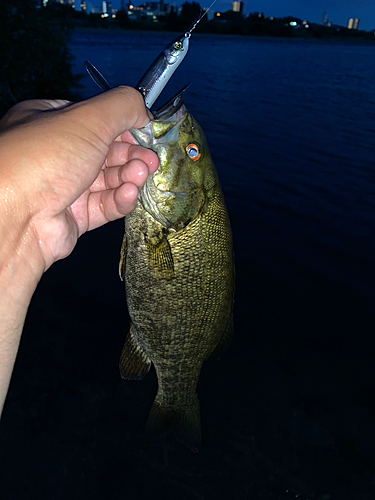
[(59, 103)]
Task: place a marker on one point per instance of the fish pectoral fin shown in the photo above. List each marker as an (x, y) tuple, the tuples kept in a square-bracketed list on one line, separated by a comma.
[(121, 266), (134, 361), (225, 340), (160, 258), (184, 423)]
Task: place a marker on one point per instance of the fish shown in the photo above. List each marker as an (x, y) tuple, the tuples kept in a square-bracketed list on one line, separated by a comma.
[(178, 267), (161, 69), (176, 258)]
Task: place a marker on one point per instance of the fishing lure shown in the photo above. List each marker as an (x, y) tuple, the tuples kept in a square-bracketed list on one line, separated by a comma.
[(161, 70)]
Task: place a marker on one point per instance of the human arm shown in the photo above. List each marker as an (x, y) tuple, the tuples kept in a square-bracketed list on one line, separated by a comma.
[(62, 171)]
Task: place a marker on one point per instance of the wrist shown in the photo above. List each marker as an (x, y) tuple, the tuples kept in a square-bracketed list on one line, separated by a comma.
[(21, 265)]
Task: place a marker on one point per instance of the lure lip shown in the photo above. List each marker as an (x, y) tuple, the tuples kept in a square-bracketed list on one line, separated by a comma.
[(96, 76), (163, 113), (171, 106)]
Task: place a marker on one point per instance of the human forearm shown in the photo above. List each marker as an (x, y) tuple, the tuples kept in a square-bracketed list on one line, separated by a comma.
[(64, 169), (20, 271)]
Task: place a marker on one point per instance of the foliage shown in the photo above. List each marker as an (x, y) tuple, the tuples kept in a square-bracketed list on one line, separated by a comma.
[(190, 11), (173, 21), (258, 24), (122, 19), (36, 62)]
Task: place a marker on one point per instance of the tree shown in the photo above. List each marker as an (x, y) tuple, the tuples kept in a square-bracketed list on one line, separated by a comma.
[(172, 21), (122, 18), (191, 11), (35, 61)]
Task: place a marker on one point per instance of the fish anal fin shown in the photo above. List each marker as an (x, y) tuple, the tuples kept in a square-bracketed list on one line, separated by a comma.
[(184, 423), (134, 362), (225, 341), (121, 266), (159, 257)]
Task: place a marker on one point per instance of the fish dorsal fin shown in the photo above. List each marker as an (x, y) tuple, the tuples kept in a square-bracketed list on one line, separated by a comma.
[(134, 361)]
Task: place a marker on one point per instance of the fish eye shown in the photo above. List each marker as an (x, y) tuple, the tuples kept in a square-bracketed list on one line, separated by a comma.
[(177, 45), (193, 152)]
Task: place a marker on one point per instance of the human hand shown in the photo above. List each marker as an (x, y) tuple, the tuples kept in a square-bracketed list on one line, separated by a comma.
[(68, 168)]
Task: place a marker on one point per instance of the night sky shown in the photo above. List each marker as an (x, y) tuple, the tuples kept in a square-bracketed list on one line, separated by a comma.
[(338, 11)]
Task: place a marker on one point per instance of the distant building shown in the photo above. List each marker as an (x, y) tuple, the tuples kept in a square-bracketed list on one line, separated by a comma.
[(106, 8), (155, 7), (86, 6), (353, 23), (63, 2), (238, 6), (148, 10), (325, 21)]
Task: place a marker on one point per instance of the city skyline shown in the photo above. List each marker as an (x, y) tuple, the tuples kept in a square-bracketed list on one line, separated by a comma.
[(338, 11)]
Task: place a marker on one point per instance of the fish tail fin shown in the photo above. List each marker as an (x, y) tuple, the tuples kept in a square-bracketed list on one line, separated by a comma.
[(184, 423)]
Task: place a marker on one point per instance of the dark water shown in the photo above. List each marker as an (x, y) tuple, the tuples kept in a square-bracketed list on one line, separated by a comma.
[(289, 411)]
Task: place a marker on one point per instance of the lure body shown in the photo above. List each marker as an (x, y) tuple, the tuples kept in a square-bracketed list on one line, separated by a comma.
[(161, 70)]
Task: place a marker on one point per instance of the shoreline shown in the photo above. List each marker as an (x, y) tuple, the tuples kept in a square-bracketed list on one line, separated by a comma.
[(117, 31)]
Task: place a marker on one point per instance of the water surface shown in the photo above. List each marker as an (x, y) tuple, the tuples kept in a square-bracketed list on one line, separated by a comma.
[(290, 124), (288, 412)]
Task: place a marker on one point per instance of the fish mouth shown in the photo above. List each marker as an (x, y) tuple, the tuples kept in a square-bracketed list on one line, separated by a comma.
[(159, 133), (171, 114)]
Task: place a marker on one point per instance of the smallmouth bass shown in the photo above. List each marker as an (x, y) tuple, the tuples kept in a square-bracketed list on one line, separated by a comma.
[(178, 268)]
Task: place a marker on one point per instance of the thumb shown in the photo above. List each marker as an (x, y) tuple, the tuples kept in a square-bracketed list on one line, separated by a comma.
[(110, 114)]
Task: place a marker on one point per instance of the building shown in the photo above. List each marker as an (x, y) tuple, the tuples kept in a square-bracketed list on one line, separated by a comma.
[(238, 6), (148, 10), (325, 21), (62, 2), (106, 9), (353, 23)]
